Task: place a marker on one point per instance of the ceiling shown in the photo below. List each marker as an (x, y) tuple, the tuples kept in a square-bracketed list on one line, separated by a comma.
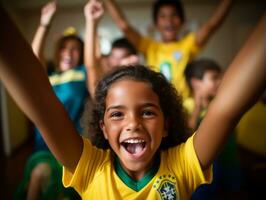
[(33, 4)]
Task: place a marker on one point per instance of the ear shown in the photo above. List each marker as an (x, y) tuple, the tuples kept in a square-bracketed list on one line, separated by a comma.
[(102, 126), (166, 127)]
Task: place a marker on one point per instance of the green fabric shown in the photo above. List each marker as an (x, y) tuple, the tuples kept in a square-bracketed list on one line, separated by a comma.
[(55, 188), (136, 185)]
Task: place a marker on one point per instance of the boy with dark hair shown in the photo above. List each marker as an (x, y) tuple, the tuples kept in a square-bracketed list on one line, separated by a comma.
[(171, 55), (175, 3), (203, 77), (124, 43)]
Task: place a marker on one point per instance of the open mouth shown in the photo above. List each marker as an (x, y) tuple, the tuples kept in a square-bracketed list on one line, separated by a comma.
[(134, 146)]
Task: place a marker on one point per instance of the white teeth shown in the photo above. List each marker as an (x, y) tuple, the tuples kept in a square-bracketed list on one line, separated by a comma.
[(134, 141)]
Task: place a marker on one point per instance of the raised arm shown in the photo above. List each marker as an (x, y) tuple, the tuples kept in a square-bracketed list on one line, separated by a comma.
[(132, 35), (26, 81), (93, 12), (40, 36), (241, 86), (208, 28)]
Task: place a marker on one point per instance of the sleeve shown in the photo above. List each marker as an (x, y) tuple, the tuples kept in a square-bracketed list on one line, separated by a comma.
[(190, 42), (144, 45), (187, 166), (91, 160)]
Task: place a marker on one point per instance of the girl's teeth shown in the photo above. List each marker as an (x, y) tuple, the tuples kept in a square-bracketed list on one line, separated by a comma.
[(132, 141)]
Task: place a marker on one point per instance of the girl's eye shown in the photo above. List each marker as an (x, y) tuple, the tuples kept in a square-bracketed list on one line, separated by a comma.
[(148, 113), (116, 115)]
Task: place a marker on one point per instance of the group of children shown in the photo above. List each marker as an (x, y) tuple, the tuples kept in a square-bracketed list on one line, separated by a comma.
[(141, 144)]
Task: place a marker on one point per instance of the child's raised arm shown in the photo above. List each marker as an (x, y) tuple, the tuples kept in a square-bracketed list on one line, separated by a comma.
[(215, 21), (93, 11), (241, 86), (132, 35), (40, 36), (27, 82)]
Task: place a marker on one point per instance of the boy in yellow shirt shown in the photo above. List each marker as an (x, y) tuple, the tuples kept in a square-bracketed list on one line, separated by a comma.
[(170, 55)]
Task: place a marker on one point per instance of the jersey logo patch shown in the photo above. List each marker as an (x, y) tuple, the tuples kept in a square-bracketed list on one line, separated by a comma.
[(177, 55), (166, 70), (166, 187)]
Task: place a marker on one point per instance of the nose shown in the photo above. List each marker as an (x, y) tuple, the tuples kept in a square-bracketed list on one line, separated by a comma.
[(133, 123)]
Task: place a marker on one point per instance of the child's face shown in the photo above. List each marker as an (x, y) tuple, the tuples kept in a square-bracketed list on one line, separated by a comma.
[(133, 124), (116, 57), (210, 83), (168, 23), (69, 55)]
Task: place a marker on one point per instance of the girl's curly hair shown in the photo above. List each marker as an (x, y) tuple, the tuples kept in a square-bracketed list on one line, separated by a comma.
[(170, 102)]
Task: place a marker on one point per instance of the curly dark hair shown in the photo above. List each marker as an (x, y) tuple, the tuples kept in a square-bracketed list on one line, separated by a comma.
[(170, 102), (177, 4)]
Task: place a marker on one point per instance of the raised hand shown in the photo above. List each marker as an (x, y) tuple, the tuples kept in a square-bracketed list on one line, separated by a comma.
[(48, 12), (93, 10)]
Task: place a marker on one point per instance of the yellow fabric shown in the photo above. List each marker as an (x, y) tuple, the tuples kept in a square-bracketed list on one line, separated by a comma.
[(189, 105), (171, 58), (178, 175), (251, 130), (64, 77)]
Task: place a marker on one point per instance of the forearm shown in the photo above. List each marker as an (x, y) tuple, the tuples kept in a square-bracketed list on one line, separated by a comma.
[(215, 21), (243, 83), (39, 40), (121, 21), (92, 61), (116, 14)]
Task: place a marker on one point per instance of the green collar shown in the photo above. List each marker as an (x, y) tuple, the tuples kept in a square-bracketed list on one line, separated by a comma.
[(136, 185)]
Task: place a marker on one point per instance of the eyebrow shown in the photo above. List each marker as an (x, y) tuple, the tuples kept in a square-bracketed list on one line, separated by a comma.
[(143, 105)]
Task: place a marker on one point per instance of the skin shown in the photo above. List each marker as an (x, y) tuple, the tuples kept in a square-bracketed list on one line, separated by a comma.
[(116, 56), (207, 87), (204, 90), (69, 55), (168, 23), (139, 116), (47, 15)]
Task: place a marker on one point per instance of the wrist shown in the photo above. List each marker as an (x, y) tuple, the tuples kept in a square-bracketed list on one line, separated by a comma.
[(44, 25)]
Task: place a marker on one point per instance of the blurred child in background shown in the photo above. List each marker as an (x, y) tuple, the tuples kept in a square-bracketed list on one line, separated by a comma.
[(203, 77), (171, 55)]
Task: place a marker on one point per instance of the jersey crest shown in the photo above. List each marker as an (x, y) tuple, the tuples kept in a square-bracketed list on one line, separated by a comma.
[(166, 187)]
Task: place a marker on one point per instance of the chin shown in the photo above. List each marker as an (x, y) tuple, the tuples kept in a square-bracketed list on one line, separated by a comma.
[(169, 38)]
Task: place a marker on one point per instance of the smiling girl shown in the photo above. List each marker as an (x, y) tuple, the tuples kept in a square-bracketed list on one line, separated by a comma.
[(133, 112)]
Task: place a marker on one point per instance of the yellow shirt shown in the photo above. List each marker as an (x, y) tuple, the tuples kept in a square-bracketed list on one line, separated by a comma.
[(189, 105), (251, 130), (171, 59), (178, 175)]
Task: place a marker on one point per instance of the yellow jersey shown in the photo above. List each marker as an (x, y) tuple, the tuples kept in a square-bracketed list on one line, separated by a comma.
[(175, 176), (171, 59), (251, 129)]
